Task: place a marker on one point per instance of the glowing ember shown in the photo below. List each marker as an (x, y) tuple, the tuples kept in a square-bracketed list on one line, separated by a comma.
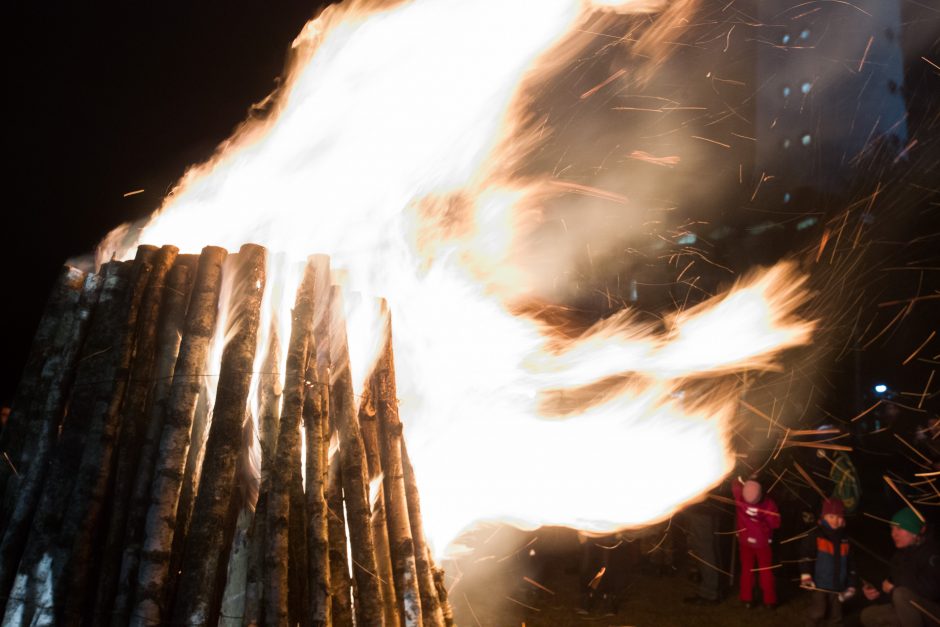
[(387, 151)]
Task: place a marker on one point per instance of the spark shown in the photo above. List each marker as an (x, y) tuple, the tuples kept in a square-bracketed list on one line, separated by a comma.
[(537, 585), (926, 389), (865, 54), (919, 348), (894, 487), (709, 564), (133, 193), (713, 141), (666, 162), (877, 403), (608, 81), (809, 480), (915, 604), (534, 609), (878, 518), (10, 463)]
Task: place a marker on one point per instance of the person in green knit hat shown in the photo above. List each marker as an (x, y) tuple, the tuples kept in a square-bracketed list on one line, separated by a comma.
[(911, 593)]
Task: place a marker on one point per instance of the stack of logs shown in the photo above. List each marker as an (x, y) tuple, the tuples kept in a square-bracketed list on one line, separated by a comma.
[(126, 499)]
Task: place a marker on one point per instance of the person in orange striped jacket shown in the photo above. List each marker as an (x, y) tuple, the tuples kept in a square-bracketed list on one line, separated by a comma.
[(827, 565)]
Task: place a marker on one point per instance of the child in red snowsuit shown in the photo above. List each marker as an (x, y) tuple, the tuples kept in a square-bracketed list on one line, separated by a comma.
[(757, 517)]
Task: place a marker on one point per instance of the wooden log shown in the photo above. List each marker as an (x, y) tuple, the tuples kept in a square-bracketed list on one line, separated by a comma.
[(287, 458), (62, 298), (433, 613), (298, 610), (132, 421), (153, 572), (60, 372), (316, 426), (368, 606), (269, 416), (169, 334), (211, 531), (367, 421), (33, 588), (340, 581), (441, 587), (401, 543), (192, 472), (232, 605), (232, 611), (83, 516), (316, 423)]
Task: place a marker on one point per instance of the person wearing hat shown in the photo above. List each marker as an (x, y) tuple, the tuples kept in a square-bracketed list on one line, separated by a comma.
[(826, 565), (912, 590), (757, 517)]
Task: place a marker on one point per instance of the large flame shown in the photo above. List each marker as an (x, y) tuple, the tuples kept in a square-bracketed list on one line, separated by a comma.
[(388, 150)]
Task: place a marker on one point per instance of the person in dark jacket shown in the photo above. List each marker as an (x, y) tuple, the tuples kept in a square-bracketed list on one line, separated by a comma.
[(913, 587), (826, 565)]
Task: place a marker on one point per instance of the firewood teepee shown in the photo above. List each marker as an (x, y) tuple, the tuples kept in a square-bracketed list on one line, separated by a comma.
[(138, 489)]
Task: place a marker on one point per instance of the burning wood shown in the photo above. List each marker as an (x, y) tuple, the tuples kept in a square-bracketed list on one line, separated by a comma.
[(123, 454)]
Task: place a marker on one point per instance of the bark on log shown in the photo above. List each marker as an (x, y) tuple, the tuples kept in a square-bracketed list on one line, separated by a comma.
[(152, 578), (33, 587), (169, 333), (60, 372), (29, 393), (441, 587), (132, 427), (287, 458), (192, 471), (232, 611), (433, 613), (367, 421), (81, 522), (206, 549), (269, 416), (401, 543), (340, 581), (316, 423), (298, 610), (369, 610)]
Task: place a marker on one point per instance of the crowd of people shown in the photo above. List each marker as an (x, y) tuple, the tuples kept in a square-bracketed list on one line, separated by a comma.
[(823, 543)]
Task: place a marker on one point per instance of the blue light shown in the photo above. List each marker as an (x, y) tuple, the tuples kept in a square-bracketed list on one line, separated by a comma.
[(881, 388)]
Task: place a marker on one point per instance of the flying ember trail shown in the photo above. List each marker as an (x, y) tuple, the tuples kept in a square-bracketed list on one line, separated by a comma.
[(391, 147)]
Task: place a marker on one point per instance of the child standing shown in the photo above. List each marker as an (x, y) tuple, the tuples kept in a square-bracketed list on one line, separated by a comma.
[(826, 564), (757, 517)]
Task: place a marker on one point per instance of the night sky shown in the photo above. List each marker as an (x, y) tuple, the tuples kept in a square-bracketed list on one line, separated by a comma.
[(109, 98)]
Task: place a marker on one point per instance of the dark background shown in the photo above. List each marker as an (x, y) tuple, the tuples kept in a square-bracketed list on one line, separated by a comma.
[(109, 98)]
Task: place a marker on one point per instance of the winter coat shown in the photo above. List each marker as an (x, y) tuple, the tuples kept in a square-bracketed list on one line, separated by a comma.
[(755, 523), (917, 568), (826, 555)]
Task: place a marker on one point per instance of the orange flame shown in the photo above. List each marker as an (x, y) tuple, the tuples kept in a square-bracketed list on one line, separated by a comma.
[(387, 150)]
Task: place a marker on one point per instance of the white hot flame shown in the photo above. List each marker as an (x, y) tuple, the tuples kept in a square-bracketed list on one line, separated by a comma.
[(386, 151)]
